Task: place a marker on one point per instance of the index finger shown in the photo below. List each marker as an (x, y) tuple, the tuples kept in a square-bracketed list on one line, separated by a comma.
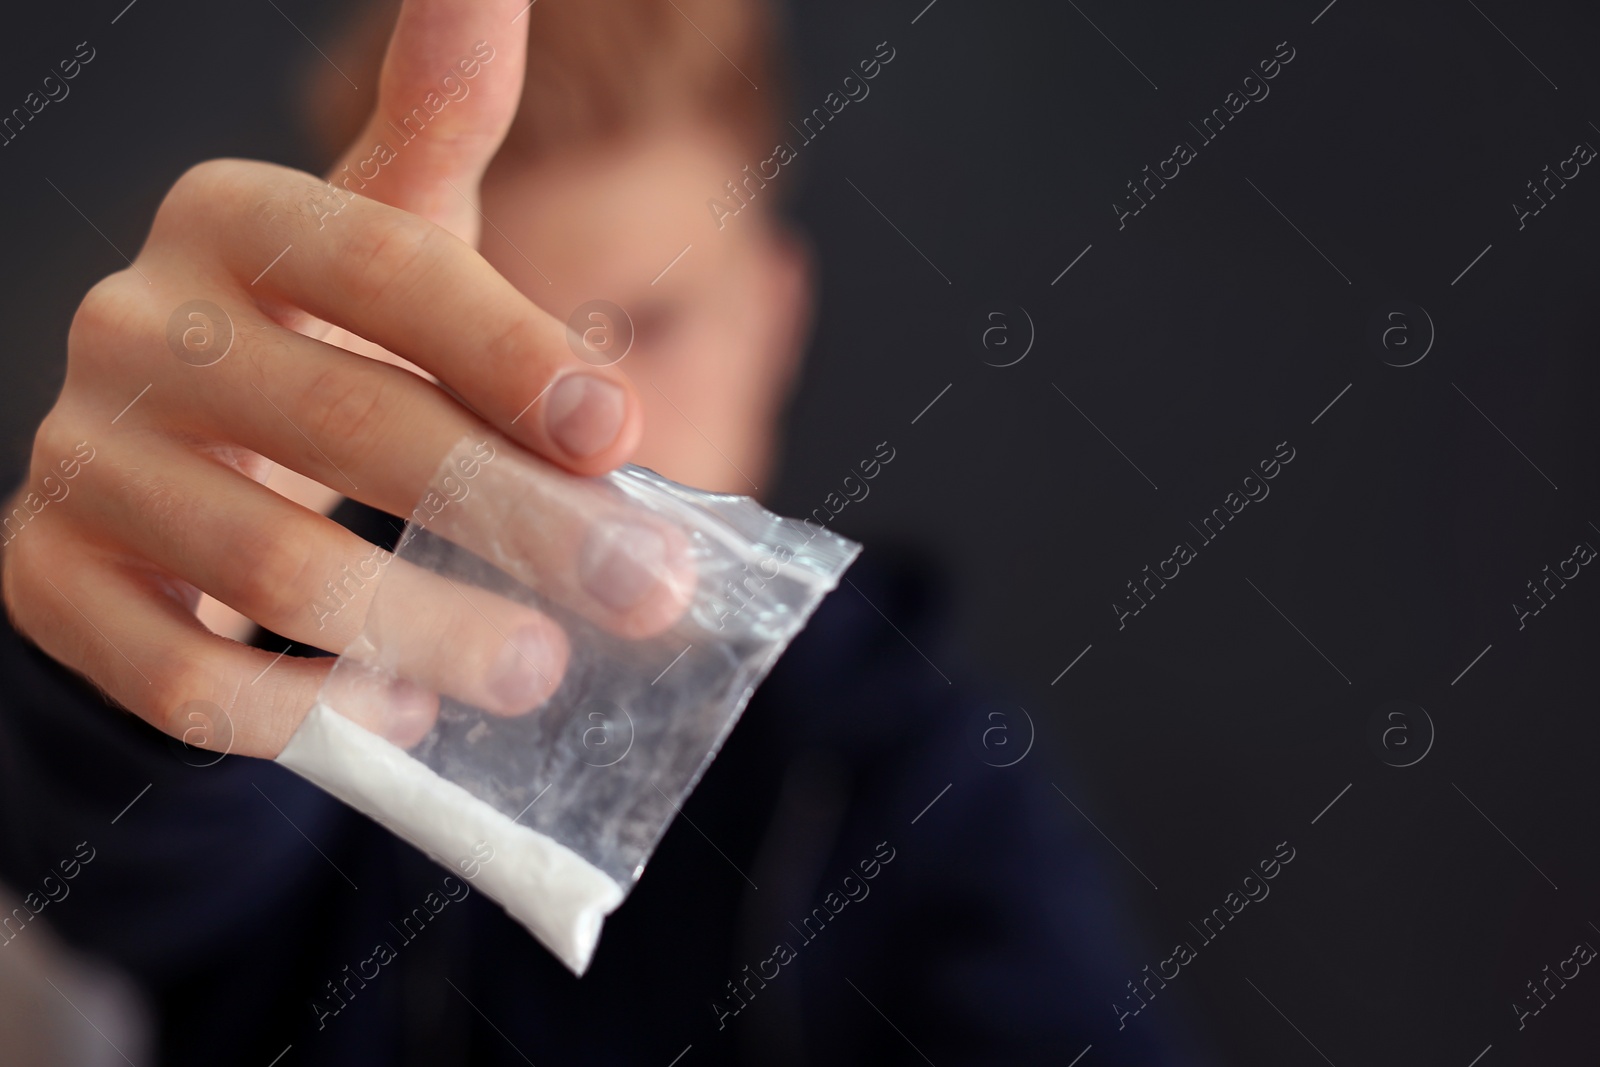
[(451, 82), (411, 287)]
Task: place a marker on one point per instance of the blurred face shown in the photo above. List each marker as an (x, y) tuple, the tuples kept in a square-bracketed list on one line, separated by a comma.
[(717, 329)]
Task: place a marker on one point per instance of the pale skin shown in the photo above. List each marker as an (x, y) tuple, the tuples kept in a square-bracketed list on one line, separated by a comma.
[(172, 542)]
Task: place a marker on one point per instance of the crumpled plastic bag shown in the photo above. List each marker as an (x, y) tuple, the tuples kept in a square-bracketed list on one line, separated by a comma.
[(588, 644)]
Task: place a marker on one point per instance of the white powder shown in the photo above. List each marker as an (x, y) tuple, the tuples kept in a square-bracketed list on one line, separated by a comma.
[(557, 894)]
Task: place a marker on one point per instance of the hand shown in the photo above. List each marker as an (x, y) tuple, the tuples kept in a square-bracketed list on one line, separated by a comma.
[(173, 414)]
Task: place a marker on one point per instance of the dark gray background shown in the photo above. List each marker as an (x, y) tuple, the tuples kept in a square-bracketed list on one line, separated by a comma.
[(1196, 339)]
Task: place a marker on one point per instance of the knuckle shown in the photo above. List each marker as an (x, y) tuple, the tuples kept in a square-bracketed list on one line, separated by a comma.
[(105, 317), (349, 411), (220, 193), (207, 174), (175, 681), (59, 456), (275, 583), (211, 179), (510, 350), (17, 570), (56, 437), (197, 186), (391, 252)]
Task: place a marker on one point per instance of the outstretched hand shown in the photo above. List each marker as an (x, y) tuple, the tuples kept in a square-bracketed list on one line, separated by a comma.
[(244, 336)]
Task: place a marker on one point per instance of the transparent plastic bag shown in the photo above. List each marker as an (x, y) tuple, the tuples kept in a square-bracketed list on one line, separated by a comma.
[(591, 641)]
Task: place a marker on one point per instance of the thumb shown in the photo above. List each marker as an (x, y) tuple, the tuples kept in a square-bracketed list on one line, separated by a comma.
[(449, 88)]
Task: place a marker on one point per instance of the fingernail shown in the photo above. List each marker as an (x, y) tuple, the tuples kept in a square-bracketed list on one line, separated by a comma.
[(621, 563), (408, 714), (584, 414), (526, 671)]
